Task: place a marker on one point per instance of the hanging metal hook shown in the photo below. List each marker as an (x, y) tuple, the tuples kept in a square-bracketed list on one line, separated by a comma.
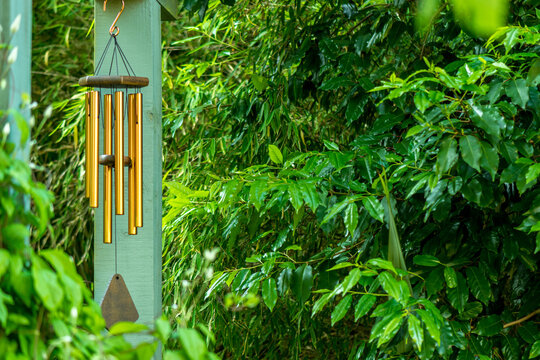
[(114, 30)]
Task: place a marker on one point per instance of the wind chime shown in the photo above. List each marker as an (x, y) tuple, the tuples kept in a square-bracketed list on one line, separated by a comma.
[(107, 102), (114, 95)]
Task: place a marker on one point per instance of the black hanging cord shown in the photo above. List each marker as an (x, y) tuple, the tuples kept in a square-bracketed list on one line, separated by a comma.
[(117, 52)]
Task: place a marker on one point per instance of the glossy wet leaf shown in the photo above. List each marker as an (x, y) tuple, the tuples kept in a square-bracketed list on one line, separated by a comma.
[(471, 150), (363, 306), (416, 332), (302, 282), (341, 309), (269, 293)]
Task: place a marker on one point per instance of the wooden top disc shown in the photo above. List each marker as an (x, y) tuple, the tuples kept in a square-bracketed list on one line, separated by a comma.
[(113, 81)]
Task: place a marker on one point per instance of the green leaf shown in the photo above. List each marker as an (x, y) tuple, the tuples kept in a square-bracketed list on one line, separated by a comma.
[(309, 193), (450, 277), (489, 326), (490, 159), (62, 263), (334, 210), (390, 284), (487, 118), (351, 217), (378, 329), (192, 343), (434, 281), (478, 284), (426, 12), (351, 280), (535, 350), (295, 196), (414, 130), (330, 145), (480, 18), (421, 100), (471, 151), (4, 261), (532, 173), (390, 330), (269, 293), (459, 295), (259, 82), (257, 193), (471, 311), (431, 326), (163, 328), (126, 327), (4, 299), (529, 332), (415, 331), (426, 260), (302, 281), (518, 91), (533, 77), (284, 281), (321, 303), (15, 235), (382, 264), (447, 156), (275, 154), (363, 306), (341, 309), (340, 266), (374, 208), (46, 285), (335, 83)]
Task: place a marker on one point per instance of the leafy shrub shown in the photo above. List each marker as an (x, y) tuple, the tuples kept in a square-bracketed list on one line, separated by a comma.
[(308, 174)]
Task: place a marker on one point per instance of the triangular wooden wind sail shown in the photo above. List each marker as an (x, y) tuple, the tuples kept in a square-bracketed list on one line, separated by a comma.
[(117, 304)]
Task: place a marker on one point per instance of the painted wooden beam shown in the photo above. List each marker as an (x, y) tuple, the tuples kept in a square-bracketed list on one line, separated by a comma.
[(169, 9), (136, 257), (16, 94)]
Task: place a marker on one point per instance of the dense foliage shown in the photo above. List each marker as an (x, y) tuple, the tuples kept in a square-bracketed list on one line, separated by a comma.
[(325, 148), (310, 137), (61, 44)]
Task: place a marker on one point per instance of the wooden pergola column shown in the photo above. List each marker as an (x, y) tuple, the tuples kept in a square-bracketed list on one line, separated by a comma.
[(136, 257)]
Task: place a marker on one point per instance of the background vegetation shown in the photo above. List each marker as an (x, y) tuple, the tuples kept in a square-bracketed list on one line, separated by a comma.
[(324, 149)]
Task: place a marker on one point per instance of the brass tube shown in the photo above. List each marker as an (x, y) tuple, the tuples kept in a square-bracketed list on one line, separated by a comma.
[(94, 149), (119, 151), (132, 228), (107, 175), (88, 133), (138, 160)]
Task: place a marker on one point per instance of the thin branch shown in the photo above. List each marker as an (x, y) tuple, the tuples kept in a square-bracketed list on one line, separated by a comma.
[(525, 318)]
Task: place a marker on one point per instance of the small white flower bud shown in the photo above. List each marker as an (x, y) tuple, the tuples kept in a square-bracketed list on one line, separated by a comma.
[(210, 255), (48, 112), (6, 130), (16, 24), (74, 313), (209, 272), (13, 55), (185, 283)]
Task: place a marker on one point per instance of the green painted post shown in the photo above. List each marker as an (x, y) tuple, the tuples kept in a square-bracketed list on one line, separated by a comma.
[(16, 94), (136, 257)]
